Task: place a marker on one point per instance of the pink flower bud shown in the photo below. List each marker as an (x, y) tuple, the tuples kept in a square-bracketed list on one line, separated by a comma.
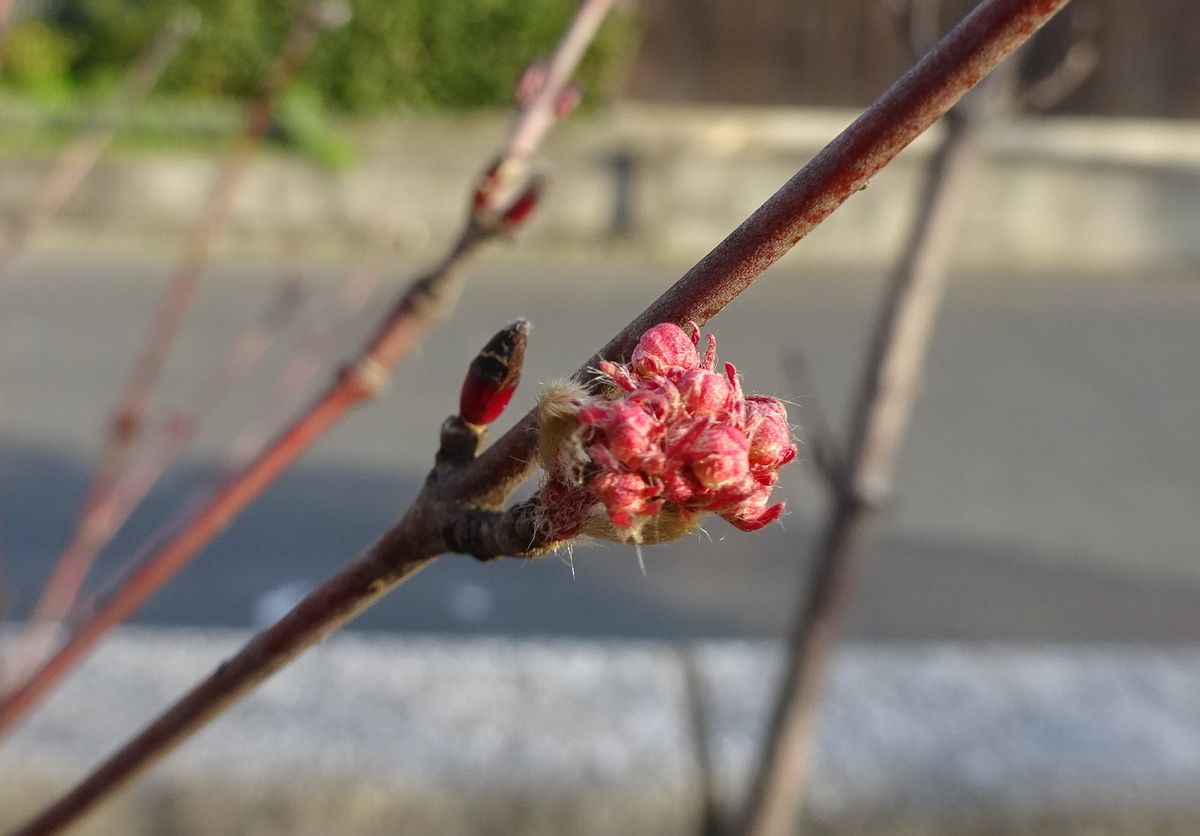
[(667, 440), (680, 486), (665, 351), (567, 100), (718, 457), (705, 393), (626, 496), (630, 432), (531, 82), (770, 437), (753, 513)]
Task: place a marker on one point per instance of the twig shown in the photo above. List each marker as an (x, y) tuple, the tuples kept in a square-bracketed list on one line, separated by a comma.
[(420, 307), (453, 511), (174, 435), (5, 14), (313, 348), (1075, 68), (884, 403), (147, 369), (73, 165), (695, 706), (827, 457)]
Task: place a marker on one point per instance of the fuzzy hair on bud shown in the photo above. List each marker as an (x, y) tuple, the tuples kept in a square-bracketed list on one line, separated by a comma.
[(667, 440)]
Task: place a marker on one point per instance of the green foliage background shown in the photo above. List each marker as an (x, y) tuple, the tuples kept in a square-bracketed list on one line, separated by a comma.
[(423, 54)]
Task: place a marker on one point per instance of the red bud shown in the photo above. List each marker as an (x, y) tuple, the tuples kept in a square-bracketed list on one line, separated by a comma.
[(521, 208), (567, 100), (493, 375), (531, 82)]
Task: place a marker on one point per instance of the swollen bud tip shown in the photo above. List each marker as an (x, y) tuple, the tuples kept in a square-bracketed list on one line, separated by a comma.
[(521, 208), (493, 375)]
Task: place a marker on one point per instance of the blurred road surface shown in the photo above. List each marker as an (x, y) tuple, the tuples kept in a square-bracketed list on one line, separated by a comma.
[(1050, 489)]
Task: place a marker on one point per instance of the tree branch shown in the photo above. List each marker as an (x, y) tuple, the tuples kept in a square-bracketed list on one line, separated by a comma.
[(827, 458), (967, 54), (886, 395), (134, 400), (419, 308), (73, 165), (133, 485)]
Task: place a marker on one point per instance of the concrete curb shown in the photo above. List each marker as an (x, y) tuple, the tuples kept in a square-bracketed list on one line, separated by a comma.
[(672, 181), (390, 734)]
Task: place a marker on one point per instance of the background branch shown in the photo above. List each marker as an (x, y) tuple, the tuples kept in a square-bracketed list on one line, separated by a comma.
[(73, 165), (821, 440), (173, 436), (426, 301), (135, 398), (993, 31), (883, 407)]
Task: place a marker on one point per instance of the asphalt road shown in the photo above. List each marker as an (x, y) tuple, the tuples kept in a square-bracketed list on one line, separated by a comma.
[(1050, 489)]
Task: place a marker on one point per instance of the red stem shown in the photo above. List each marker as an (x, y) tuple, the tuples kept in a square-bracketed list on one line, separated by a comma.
[(968, 53), (107, 516), (130, 414)]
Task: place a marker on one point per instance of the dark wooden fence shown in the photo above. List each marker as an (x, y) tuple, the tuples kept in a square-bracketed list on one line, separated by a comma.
[(845, 52)]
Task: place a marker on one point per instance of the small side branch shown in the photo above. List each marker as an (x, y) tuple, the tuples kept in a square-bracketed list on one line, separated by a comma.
[(172, 438), (73, 165), (130, 412)]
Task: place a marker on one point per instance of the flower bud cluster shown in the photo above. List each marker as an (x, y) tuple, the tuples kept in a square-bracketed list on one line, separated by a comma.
[(670, 440)]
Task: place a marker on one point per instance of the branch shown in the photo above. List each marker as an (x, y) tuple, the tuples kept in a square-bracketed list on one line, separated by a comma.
[(884, 404), (175, 434), (313, 347), (827, 454), (428, 300), (73, 165), (967, 54), (1072, 72), (845, 166), (147, 369)]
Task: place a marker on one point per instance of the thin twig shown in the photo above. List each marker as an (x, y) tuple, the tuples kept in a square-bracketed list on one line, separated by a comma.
[(130, 414), (147, 369), (5, 14), (827, 457), (425, 303), (456, 500), (884, 403), (313, 349), (73, 165), (1072, 72), (172, 438)]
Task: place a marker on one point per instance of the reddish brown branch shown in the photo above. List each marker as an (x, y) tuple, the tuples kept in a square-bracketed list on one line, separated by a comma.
[(173, 437), (147, 368), (94, 524), (968, 53), (312, 351), (861, 484), (995, 29), (77, 160), (421, 306)]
